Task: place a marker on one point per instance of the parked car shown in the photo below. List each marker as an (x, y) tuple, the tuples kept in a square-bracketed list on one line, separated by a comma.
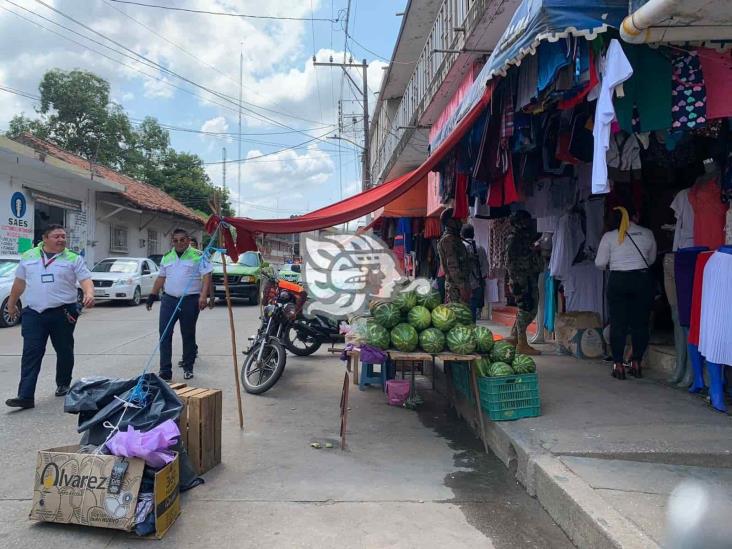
[(124, 278), (245, 276), (290, 272), (7, 275)]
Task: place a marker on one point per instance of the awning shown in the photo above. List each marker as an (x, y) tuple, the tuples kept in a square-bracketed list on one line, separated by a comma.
[(708, 21), (412, 203), (350, 208), (538, 20)]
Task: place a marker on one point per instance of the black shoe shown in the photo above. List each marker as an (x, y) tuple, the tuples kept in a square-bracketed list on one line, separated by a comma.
[(181, 364), (20, 403), (165, 376), (62, 390), (188, 374)]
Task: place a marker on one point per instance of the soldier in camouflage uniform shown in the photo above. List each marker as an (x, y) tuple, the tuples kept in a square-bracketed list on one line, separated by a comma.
[(454, 260), (524, 266)]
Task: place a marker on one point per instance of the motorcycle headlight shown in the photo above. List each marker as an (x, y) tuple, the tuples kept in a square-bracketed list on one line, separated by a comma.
[(269, 310), (290, 311)]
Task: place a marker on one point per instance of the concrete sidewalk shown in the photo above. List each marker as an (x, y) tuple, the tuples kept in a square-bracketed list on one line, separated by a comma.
[(605, 455)]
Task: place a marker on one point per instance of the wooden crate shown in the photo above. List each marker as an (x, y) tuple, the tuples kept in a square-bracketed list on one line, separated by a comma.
[(200, 426)]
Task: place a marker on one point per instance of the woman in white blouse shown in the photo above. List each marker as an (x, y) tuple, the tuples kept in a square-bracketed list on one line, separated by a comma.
[(628, 251)]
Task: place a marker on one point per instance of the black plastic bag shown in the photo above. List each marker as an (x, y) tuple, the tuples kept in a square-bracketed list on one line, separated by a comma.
[(100, 412)]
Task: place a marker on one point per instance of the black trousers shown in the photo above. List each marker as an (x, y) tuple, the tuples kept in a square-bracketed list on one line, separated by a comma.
[(58, 324), (630, 298), (187, 315)]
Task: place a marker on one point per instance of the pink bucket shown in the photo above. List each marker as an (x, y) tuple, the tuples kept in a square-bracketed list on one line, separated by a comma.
[(397, 391)]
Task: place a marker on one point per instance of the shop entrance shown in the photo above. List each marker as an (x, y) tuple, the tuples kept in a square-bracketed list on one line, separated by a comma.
[(45, 215)]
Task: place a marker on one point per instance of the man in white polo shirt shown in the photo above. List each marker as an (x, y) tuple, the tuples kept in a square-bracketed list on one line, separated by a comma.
[(46, 277), (184, 272)]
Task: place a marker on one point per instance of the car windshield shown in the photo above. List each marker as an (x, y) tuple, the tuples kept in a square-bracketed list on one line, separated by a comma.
[(126, 266), (7, 267), (249, 259)]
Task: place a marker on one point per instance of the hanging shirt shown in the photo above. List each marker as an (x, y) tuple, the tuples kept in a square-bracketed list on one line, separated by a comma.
[(183, 273), (709, 213), (625, 256), (688, 93), (617, 70), (684, 231), (50, 281), (717, 68), (528, 73)]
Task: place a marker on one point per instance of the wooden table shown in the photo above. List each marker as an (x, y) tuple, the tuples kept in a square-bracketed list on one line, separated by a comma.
[(398, 356)]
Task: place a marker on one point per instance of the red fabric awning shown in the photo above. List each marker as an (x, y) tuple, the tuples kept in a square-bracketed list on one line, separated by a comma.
[(350, 208)]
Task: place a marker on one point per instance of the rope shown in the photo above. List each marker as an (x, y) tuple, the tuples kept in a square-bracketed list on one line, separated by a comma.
[(140, 392)]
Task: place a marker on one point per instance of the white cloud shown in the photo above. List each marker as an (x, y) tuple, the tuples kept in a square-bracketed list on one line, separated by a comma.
[(215, 125), (158, 88)]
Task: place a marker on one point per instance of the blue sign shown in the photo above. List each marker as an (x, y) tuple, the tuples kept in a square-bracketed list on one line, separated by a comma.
[(18, 205)]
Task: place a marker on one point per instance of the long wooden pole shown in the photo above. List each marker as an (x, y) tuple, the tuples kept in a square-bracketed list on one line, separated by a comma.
[(231, 325)]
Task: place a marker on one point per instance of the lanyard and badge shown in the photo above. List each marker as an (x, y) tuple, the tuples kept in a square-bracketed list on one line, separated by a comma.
[(47, 278)]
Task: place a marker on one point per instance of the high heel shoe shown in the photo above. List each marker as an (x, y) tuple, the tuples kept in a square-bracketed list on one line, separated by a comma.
[(618, 371), (635, 369)]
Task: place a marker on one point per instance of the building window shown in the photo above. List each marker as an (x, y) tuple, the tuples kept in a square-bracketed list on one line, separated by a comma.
[(152, 242), (118, 239)]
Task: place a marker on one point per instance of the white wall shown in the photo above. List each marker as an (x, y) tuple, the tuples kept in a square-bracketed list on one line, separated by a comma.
[(133, 221)]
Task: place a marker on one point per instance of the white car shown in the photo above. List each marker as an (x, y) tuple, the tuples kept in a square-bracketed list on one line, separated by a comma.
[(124, 278), (7, 275)]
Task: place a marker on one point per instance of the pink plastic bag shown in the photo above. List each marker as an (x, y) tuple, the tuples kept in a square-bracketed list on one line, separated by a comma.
[(152, 446), (397, 391)]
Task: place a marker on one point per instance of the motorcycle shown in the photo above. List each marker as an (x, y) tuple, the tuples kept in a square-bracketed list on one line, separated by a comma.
[(304, 336), (266, 355)]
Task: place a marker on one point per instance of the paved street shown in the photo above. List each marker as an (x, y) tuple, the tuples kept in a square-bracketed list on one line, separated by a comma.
[(408, 479)]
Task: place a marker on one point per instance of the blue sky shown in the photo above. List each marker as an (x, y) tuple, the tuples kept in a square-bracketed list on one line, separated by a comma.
[(300, 100)]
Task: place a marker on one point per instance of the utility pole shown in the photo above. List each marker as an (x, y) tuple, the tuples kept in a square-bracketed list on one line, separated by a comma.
[(223, 160), (238, 164), (363, 89)]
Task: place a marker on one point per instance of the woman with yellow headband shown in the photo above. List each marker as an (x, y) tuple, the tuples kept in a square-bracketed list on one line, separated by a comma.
[(628, 251)]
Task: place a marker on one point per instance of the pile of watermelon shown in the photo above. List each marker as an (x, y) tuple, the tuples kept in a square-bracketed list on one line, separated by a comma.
[(504, 361)]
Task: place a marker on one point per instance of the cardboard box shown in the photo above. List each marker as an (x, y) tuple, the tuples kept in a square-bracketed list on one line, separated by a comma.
[(72, 488), (200, 426), (580, 334)]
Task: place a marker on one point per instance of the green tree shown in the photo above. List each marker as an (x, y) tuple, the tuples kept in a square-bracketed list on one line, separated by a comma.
[(76, 113)]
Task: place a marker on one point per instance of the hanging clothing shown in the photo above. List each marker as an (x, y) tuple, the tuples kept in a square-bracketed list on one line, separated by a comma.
[(688, 93), (593, 79), (461, 196), (528, 74), (498, 241), (566, 244), (684, 265), (716, 329), (617, 69), (709, 213), (584, 288), (717, 68), (623, 157), (684, 231), (404, 228), (432, 228), (550, 301), (594, 225), (696, 297), (647, 92), (552, 57)]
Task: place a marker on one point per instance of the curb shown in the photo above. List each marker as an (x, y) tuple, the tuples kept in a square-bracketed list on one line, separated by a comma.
[(587, 519)]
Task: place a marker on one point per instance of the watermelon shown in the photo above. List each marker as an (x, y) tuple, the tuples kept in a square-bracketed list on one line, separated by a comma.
[(404, 337), (503, 352), (461, 340), (419, 317), (387, 314), (523, 364), (462, 312), (432, 341), (498, 369), (443, 318), (376, 335), (405, 300), (483, 339), (483, 365), (429, 300)]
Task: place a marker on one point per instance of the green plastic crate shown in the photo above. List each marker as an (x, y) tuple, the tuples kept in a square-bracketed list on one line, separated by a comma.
[(510, 397), (461, 379)]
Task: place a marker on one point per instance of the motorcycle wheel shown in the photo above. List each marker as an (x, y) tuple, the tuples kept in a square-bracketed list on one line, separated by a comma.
[(300, 344), (257, 378)]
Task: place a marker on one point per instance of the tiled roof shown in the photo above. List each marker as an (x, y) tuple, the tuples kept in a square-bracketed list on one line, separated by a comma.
[(141, 194)]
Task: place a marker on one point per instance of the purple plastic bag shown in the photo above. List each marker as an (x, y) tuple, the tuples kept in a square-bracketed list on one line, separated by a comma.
[(152, 446)]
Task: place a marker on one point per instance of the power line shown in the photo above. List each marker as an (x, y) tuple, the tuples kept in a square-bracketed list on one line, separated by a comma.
[(227, 14), (164, 69)]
